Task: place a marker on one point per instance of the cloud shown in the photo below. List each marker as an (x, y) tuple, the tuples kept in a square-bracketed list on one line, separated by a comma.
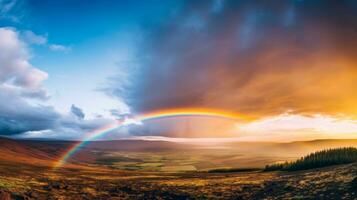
[(250, 57), (118, 114), (293, 122), (61, 48), (9, 10), (78, 112), (19, 81), (18, 116), (16, 72), (22, 92), (290, 127), (32, 38), (68, 127), (6, 6)]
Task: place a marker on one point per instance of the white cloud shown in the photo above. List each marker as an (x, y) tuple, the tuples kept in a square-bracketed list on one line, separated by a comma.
[(22, 83), (15, 69), (57, 47), (294, 127), (6, 9), (6, 6), (32, 38)]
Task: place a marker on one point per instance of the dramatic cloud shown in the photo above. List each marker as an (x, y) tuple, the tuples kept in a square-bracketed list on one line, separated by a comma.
[(19, 81), (18, 116), (257, 58), (118, 114), (16, 73), (68, 127), (290, 127), (21, 84), (253, 57), (290, 122)]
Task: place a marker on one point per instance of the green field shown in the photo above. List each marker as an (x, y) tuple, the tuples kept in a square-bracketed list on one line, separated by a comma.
[(173, 161)]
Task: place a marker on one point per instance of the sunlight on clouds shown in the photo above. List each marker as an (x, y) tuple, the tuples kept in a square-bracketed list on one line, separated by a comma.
[(294, 125)]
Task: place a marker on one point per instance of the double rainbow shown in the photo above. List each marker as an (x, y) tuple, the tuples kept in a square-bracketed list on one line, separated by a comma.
[(149, 116)]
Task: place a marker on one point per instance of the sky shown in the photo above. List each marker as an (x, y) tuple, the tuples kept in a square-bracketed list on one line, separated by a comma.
[(70, 67)]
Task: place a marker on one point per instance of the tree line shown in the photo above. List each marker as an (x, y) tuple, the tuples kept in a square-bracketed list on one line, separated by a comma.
[(318, 159)]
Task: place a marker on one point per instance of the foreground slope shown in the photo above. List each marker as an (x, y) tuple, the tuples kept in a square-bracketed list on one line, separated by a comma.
[(30, 182), (27, 173)]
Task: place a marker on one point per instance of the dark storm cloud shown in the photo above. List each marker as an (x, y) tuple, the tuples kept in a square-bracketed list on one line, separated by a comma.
[(17, 116), (78, 112), (253, 57)]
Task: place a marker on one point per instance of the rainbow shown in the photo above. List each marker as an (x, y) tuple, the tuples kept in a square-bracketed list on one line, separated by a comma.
[(90, 136)]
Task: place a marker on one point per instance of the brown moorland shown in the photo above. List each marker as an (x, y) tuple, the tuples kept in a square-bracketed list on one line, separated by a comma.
[(27, 173)]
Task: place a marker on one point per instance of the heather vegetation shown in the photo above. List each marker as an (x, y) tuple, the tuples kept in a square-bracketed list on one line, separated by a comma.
[(318, 159), (101, 172), (230, 170)]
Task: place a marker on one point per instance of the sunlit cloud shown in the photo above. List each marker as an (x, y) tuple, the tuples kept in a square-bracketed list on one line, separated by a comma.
[(290, 67), (295, 127), (256, 59)]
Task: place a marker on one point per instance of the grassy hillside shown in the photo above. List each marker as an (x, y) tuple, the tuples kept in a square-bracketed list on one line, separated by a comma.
[(318, 159)]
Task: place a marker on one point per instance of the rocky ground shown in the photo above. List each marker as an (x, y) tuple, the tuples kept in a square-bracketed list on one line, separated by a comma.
[(19, 181)]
